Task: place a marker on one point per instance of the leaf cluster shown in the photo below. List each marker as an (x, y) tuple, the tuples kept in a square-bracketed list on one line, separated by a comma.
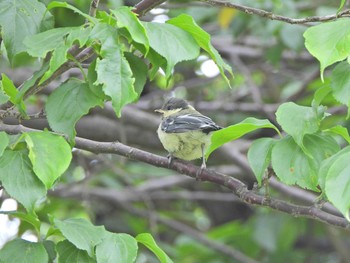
[(116, 54)]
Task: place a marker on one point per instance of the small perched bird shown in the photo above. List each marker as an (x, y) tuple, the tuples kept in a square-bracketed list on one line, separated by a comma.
[(184, 132)]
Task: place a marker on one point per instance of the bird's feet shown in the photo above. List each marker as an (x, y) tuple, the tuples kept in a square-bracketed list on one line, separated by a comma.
[(199, 172), (170, 159)]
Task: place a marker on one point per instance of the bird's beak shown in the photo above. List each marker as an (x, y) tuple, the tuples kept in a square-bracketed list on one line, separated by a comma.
[(160, 111)]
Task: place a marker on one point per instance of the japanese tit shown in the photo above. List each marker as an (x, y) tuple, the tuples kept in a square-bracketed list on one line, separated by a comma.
[(184, 132)]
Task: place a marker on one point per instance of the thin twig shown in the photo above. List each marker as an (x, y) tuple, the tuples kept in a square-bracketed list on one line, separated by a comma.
[(93, 7), (236, 186), (270, 15), (82, 56), (301, 195)]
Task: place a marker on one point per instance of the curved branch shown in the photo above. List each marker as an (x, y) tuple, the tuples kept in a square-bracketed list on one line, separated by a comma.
[(270, 15), (146, 5), (236, 186)]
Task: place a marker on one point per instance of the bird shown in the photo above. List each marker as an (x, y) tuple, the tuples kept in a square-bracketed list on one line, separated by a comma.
[(184, 132)]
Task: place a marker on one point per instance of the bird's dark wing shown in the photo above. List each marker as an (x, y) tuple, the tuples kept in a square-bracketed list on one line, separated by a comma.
[(189, 122)]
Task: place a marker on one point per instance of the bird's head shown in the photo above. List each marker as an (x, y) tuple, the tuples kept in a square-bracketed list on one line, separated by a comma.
[(172, 106)]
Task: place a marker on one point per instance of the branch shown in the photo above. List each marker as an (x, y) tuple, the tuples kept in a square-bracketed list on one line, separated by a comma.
[(146, 5), (270, 15), (93, 7), (236, 186), (301, 195), (82, 56)]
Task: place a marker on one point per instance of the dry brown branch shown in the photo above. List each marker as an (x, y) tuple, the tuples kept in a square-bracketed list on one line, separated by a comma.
[(206, 175), (266, 14)]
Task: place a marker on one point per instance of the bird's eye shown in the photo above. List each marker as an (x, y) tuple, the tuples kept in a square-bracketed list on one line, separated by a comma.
[(168, 108)]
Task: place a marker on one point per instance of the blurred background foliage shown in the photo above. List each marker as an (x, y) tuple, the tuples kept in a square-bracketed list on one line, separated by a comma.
[(271, 66)]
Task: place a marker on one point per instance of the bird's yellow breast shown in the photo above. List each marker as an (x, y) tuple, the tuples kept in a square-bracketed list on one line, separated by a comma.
[(186, 145)]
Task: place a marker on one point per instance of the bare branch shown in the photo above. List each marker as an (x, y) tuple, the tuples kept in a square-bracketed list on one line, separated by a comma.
[(93, 7), (301, 195), (146, 5), (270, 15), (236, 186)]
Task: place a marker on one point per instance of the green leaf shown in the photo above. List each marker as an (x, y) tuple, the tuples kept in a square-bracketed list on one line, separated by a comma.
[(50, 155), (126, 18), (148, 241), (55, 4), (328, 146), (297, 121), (329, 42), (320, 94), (3, 97), (259, 156), (113, 70), (80, 35), (157, 61), (40, 44), (67, 252), (23, 251), (67, 104), (91, 78), (19, 19), (81, 233), (340, 81), (60, 53), (337, 186), (202, 38), (9, 88), (17, 177), (340, 130), (171, 42), (50, 248), (139, 71), (4, 141), (29, 218), (236, 131), (117, 248), (342, 3), (326, 164), (58, 40), (58, 57), (293, 166), (11, 91)]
